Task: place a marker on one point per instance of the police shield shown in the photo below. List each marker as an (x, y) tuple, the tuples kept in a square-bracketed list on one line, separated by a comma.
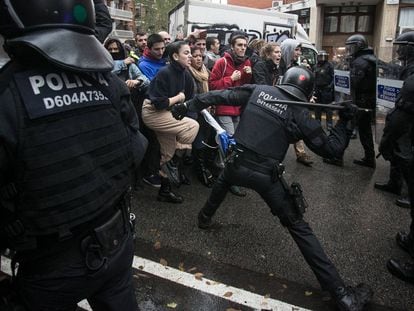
[(342, 80), (388, 86)]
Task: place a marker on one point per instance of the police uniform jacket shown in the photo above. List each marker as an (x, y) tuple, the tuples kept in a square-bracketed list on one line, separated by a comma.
[(68, 142), (364, 79), (398, 130), (269, 128)]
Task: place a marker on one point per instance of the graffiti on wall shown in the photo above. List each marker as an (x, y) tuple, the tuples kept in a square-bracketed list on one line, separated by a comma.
[(270, 32)]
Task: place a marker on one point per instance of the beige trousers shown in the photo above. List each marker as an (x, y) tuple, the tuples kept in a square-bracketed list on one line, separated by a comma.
[(172, 134)]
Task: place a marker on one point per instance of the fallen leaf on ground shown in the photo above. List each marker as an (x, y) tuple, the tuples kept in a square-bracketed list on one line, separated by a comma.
[(208, 283), (284, 286), (181, 266), (228, 294), (172, 305), (308, 293), (192, 269), (198, 276), (141, 267), (163, 262), (271, 274), (142, 275), (157, 245)]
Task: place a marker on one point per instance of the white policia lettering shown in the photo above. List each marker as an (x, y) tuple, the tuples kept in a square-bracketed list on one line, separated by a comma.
[(264, 97), (59, 81)]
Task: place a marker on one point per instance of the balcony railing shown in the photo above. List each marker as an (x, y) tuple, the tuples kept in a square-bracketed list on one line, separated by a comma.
[(120, 14), (122, 34)]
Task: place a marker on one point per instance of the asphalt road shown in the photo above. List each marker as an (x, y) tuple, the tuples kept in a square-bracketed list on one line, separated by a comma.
[(355, 223)]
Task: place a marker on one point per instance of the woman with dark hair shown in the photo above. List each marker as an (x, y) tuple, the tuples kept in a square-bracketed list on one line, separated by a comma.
[(172, 84), (267, 70), (203, 155)]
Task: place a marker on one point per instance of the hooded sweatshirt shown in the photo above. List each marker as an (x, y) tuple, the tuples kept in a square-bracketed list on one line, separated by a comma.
[(288, 46)]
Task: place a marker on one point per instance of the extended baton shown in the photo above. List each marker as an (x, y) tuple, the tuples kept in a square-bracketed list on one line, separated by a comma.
[(336, 106)]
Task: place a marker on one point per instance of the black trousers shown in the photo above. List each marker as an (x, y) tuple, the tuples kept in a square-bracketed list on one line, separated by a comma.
[(60, 279), (363, 122), (280, 204), (399, 172)]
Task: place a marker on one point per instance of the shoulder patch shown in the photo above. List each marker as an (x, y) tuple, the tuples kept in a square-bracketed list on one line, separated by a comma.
[(47, 93)]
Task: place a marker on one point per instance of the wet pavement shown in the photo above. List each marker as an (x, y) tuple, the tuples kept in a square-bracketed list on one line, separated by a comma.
[(355, 223)]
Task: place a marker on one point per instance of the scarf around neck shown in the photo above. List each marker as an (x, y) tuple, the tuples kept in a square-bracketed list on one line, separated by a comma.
[(200, 76), (237, 59)]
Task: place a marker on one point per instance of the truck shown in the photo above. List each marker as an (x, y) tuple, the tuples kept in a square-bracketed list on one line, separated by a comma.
[(221, 20)]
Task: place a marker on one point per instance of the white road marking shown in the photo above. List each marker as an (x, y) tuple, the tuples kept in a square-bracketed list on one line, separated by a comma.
[(236, 295)]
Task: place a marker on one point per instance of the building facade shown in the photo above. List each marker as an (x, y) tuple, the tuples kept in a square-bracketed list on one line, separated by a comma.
[(330, 22), (123, 16)]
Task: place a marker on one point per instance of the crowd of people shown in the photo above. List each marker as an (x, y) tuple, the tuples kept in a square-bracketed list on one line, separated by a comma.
[(77, 124), (208, 67)]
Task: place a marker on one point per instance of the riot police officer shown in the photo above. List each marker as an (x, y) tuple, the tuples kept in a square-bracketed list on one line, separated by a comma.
[(396, 126), (69, 140), (363, 90), (324, 86), (256, 163), (398, 152)]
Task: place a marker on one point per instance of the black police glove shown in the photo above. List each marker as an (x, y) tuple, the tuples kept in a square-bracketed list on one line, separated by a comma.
[(348, 112), (179, 111)]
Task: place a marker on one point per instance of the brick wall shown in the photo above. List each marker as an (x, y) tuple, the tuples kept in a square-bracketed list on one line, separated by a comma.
[(258, 4)]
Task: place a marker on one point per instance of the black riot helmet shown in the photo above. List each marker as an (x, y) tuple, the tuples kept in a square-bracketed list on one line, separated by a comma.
[(298, 81), (322, 56), (405, 47), (62, 31), (355, 43)]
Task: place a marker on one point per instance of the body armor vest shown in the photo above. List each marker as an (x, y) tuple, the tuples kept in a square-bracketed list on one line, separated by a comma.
[(364, 93), (74, 151), (273, 138), (323, 74)]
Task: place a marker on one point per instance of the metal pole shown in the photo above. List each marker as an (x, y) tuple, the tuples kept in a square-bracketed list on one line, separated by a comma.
[(336, 106)]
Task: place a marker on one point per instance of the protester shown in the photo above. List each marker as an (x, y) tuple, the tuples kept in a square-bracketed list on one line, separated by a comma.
[(172, 85), (233, 69)]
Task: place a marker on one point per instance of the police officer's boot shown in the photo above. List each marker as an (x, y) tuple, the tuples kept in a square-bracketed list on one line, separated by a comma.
[(389, 186), (368, 162), (352, 298), (403, 271), (403, 202), (165, 193), (204, 221), (406, 242)]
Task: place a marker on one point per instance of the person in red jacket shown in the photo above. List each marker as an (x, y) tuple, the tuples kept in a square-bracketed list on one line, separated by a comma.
[(233, 69)]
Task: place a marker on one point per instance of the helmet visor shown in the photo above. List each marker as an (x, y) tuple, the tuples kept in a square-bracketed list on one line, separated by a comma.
[(351, 49), (45, 14)]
